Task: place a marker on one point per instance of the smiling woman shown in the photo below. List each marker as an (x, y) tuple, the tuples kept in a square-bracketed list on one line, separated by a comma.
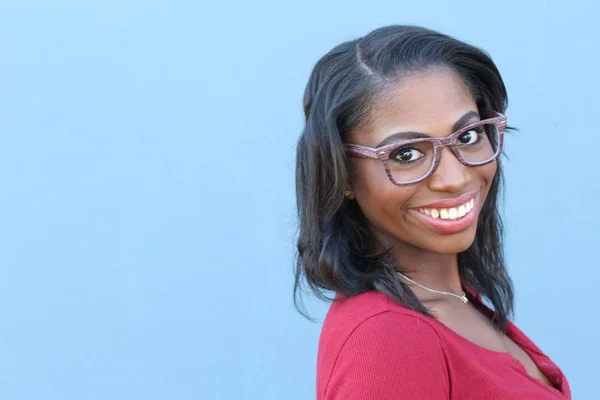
[(398, 180)]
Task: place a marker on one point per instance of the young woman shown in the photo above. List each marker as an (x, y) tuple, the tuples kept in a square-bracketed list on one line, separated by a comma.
[(398, 182)]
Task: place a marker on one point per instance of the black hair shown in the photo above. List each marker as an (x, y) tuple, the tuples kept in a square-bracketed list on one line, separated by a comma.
[(334, 247)]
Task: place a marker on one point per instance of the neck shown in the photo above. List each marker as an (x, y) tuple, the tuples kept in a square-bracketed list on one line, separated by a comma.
[(435, 271), (432, 270)]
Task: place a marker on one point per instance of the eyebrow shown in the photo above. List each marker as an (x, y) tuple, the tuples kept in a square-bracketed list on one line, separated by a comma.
[(394, 137)]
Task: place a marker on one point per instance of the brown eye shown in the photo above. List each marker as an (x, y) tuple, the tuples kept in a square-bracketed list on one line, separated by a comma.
[(407, 155), (471, 137)]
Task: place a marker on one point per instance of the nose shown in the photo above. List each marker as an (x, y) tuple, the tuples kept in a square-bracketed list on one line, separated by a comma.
[(450, 175)]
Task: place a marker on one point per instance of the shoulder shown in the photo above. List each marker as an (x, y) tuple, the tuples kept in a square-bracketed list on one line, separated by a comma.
[(351, 317), (372, 337)]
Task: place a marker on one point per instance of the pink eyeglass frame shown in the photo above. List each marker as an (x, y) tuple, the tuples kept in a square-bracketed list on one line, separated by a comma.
[(383, 153)]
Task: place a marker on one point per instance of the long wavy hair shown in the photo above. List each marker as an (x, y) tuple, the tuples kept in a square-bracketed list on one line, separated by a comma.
[(335, 251)]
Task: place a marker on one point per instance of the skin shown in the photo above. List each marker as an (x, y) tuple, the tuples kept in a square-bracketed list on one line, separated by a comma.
[(431, 101)]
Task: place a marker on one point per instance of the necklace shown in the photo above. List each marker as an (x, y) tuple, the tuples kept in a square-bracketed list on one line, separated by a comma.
[(462, 298)]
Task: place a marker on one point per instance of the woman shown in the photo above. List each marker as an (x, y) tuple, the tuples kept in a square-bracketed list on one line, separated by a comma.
[(398, 183)]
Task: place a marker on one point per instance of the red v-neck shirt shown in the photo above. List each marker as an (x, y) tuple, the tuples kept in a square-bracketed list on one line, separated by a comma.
[(372, 348)]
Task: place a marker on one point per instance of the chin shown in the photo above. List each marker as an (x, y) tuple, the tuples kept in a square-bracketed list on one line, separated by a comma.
[(451, 244), (451, 248)]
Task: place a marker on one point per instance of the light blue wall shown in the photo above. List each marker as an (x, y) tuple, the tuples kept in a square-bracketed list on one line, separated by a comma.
[(147, 193)]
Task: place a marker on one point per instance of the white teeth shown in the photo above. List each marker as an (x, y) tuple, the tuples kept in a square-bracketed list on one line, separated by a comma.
[(452, 213), (470, 204), (449, 213)]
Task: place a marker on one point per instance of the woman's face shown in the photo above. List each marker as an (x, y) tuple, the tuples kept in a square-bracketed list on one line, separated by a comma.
[(435, 102)]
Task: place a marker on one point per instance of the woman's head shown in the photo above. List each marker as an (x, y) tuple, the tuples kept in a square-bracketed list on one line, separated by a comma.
[(396, 83)]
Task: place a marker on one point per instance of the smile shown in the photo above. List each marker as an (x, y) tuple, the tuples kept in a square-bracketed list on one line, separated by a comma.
[(449, 213)]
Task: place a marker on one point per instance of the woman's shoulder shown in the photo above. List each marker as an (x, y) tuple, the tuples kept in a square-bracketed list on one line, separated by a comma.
[(345, 315), (369, 334), (372, 319)]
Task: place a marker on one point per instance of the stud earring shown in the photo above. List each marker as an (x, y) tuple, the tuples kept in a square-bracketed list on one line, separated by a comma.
[(347, 193)]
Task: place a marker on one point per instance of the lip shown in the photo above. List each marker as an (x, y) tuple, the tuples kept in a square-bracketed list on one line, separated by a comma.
[(451, 225), (451, 203)]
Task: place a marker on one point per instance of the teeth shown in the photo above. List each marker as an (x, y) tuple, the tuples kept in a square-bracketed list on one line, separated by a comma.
[(449, 213), (468, 206), (453, 213)]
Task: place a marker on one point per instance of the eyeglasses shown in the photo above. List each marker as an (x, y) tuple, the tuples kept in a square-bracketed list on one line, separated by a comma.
[(413, 160)]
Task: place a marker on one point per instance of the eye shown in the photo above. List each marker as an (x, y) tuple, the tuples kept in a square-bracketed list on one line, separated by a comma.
[(471, 137), (407, 155)]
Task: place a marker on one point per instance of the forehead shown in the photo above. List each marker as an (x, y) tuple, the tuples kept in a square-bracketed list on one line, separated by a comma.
[(429, 101)]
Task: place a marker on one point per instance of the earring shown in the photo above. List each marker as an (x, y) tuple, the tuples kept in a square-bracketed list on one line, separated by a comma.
[(347, 193)]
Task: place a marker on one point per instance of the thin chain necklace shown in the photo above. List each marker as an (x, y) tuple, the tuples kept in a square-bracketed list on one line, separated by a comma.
[(462, 298)]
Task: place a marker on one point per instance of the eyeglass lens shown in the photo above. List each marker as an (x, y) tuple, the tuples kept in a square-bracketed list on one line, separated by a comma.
[(413, 161)]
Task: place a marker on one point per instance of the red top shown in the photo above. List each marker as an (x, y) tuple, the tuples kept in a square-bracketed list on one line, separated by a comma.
[(373, 348)]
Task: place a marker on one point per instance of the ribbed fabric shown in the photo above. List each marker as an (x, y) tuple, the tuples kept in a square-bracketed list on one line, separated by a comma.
[(374, 349)]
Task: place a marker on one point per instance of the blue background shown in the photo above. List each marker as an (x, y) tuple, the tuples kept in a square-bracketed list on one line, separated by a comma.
[(147, 188)]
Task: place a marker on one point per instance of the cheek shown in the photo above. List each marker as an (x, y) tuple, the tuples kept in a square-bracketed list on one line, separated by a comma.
[(369, 180), (379, 199), (488, 172)]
